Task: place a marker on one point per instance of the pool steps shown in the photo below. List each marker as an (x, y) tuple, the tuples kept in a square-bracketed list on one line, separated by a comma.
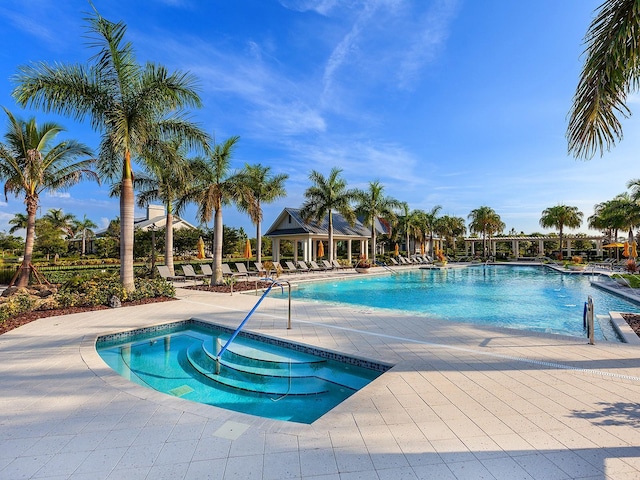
[(250, 369)]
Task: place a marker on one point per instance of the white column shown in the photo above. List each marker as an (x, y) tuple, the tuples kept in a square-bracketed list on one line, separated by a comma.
[(568, 248), (515, 245), (540, 247), (349, 245), (275, 246)]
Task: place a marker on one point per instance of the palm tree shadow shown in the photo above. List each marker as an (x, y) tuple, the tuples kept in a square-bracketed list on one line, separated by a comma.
[(619, 413)]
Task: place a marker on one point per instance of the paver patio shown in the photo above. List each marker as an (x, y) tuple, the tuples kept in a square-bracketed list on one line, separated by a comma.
[(461, 402)]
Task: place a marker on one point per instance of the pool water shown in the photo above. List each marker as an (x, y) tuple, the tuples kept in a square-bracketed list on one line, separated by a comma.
[(522, 297), (255, 377)]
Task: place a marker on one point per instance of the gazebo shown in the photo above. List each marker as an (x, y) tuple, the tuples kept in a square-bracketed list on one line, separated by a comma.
[(290, 226)]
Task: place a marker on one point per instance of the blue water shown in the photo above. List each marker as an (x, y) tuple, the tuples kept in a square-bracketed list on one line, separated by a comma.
[(256, 378), (522, 297)]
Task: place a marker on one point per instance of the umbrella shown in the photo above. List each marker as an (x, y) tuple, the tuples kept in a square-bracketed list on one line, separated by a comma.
[(247, 249), (422, 249), (613, 245), (200, 248), (625, 252), (634, 251), (396, 252), (320, 249)]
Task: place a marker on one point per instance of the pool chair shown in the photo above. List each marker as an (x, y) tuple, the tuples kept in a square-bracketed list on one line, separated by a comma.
[(206, 270), (303, 267), (315, 267), (190, 273), (243, 269), (164, 272), (394, 262), (291, 268), (336, 265), (226, 272)]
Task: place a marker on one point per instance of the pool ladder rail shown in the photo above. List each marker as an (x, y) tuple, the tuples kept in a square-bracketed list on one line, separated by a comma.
[(221, 350)]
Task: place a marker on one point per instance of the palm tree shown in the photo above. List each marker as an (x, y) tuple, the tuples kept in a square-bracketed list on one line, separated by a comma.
[(561, 216), (131, 105), (450, 227), (30, 164), (373, 204), (325, 196), (430, 224), (84, 229), (610, 72), (18, 222), (214, 187), (406, 222), (63, 221), (168, 175), (266, 188), (486, 221)]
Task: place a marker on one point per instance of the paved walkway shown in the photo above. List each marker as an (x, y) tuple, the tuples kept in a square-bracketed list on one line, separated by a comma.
[(461, 402)]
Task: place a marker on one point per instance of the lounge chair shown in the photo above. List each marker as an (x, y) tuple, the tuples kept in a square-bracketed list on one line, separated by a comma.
[(329, 265), (291, 268), (303, 267), (243, 269), (164, 272), (189, 273), (226, 272), (206, 269), (261, 270), (394, 262), (316, 268), (337, 265)]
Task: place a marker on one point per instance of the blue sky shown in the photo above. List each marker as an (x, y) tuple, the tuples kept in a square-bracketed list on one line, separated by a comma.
[(458, 103)]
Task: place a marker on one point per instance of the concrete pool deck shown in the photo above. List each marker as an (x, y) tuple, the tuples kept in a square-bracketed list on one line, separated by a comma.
[(461, 402)]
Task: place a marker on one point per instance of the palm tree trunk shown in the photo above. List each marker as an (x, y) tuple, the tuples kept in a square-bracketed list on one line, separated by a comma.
[(84, 241), (373, 243), (127, 199), (560, 255), (330, 235), (168, 240), (25, 268), (217, 247), (258, 242)]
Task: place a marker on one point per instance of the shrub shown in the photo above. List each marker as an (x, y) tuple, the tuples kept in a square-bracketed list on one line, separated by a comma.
[(15, 305), (631, 266)]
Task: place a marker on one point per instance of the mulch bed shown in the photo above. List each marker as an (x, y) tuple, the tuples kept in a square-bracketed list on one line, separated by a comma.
[(28, 317), (633, 320), (240, 286)]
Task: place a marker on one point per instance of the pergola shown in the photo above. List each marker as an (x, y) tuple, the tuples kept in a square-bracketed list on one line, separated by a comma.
[(470, 243), (289, 226)]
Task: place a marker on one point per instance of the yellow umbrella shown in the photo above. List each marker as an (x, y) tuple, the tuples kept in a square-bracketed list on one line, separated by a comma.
[(634, 251), (396, 252), (200, 248), (247, 249), (625, 252), (422, 249), (320, 249), (613, 245)]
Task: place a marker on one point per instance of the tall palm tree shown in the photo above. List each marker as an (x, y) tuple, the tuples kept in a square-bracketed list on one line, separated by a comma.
[(561, 216), (373, 204), (215, 186), (325, 196), (129, 104), (611, 70), (405, 222), (266, 188), (431, 223), (450, 227), (30, 163), (486, 221), (58, 219), (84, 228), (168, 174)]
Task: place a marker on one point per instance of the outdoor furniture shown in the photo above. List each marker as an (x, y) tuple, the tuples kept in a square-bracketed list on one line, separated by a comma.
[(261, 270), (316, 268), (226, 272), (243, 269), (303, 267), (291, 268), (164, 272), (206, 269), (189, 273)]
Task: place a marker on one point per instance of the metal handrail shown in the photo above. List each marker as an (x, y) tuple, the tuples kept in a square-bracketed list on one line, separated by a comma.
[(246, 319), (384, 265)]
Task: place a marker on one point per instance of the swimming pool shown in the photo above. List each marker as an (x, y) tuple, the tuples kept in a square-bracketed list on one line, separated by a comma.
[(522, 297), (258, 375)]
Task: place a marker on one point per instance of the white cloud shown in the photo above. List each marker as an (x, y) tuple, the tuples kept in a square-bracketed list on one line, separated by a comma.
[(54, 194)]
